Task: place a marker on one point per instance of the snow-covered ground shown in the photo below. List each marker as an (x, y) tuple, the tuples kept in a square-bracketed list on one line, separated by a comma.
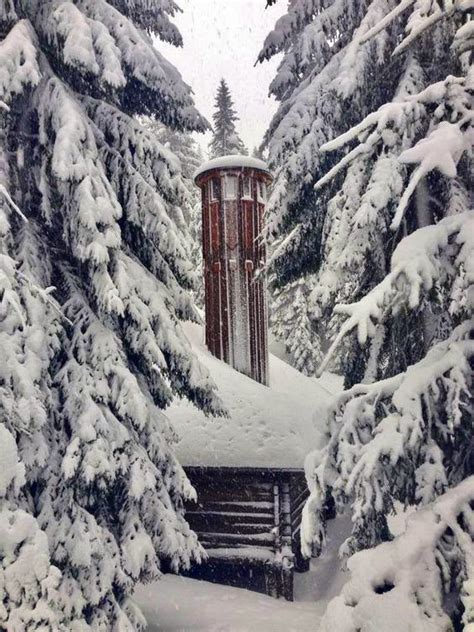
[(179, 604)]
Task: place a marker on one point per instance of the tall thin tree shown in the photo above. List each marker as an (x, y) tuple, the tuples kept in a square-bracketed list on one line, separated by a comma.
[(225, 138)]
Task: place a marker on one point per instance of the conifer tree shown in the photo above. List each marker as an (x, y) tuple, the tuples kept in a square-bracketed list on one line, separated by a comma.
[(189, 154), (225, 140), (395, 221), (258, 153), (309, 114), (94, 268), (290, 322)]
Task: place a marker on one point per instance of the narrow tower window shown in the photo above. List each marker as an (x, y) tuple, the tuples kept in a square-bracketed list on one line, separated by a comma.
[(247, 188), (212, 191), (230, 187)]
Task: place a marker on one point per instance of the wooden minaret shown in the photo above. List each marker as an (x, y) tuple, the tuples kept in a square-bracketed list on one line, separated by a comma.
[(233, 203)]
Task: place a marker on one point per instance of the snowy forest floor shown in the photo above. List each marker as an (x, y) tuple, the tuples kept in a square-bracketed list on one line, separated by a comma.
[(178, 604)]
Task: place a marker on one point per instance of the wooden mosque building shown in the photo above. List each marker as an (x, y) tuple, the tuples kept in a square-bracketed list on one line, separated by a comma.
[(247, 469)]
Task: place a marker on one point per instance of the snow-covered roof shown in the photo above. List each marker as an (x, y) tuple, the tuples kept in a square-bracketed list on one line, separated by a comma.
[(234, 161), (269, 427)]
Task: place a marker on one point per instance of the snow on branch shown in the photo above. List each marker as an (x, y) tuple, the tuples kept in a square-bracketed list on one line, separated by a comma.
[(402, 583), (441, 150), (363, 148), (388, 19), (18, 61), (401, 429), (464, 38), (393, 114), (29, 583), (424, 15), (416, 264), (44, 294), (12, 472), (15, 207), (281, 247), (405, 422), (287, 26)]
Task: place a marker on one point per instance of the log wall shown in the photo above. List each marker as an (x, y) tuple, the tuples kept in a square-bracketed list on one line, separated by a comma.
[(249, 518)]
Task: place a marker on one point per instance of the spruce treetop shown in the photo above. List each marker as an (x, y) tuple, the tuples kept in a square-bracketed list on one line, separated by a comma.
[(225, 139)]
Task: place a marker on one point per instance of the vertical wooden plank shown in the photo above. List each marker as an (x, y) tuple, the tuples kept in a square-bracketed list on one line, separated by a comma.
[(207, 303), (224, 270), (287, 578), (254, 284), (285, 526), (259, 289), (205, 259), (276, 516)]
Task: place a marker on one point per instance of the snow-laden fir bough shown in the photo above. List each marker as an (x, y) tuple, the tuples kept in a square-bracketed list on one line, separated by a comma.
[(94, 268), (190, 156)]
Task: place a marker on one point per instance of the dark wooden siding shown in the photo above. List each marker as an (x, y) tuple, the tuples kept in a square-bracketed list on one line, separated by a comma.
[(234, 509), (239, 508), (298, 495), (232, 254), (245, 517)]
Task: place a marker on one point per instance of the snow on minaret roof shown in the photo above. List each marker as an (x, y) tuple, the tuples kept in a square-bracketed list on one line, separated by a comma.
[(232, 162), (268, 426)]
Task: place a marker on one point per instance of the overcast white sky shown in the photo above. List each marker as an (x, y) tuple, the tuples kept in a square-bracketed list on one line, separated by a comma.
[(222, 38)]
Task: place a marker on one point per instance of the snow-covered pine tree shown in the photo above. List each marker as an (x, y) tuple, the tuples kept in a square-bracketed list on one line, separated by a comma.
[(307, 117), (93, 271), (407, 439), (28, 581), (190, 156), (259, 153), (289, 320), (325, 85), (225, 139)]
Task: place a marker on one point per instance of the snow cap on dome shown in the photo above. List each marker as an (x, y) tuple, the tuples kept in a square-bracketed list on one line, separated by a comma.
[(232, 161)]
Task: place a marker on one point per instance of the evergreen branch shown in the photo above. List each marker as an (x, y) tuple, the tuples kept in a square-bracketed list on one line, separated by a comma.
[(44, 294), (375, 30), (14, 206), (416, 263)]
